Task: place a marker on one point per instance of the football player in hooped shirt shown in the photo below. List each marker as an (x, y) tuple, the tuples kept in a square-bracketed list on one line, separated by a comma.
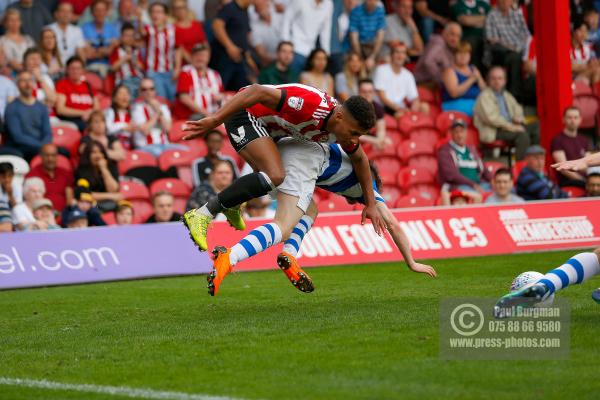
[(256, 115)]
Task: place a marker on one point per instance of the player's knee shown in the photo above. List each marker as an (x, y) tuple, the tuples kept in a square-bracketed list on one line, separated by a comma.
[(277, 177)]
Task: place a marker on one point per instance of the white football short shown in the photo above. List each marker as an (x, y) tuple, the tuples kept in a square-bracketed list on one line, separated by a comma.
[(303, 162)]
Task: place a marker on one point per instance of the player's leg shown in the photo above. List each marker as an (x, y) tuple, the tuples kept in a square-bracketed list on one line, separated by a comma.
[(293, 243), (575, 270), (596, 293)]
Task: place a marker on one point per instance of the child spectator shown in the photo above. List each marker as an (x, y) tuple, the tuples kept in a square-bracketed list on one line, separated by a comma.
[(10, 191), (124, 213), (75, 219), (126, 61), (84, 201), (118, 117)]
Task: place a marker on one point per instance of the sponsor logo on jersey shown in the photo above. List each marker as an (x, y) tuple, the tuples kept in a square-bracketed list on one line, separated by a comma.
[(296, 103)]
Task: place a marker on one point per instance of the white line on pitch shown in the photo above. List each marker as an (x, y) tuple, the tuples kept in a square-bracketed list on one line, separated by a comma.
[(138, 393)]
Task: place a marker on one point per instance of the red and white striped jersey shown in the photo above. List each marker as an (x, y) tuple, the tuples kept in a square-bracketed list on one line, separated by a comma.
[(160, 48), (128, 69), (582, 55), (204, 89), (303, 112), (116, 125), (142, 113)]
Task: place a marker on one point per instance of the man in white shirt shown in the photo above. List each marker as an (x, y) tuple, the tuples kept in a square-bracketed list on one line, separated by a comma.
[(265, 25), (303, 23), (396, 86), (69, 38), (401, 27)]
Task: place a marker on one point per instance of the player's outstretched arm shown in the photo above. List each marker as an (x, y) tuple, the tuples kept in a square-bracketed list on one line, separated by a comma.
[(360, 163), (249, 96), (581, 164), (402, 242)]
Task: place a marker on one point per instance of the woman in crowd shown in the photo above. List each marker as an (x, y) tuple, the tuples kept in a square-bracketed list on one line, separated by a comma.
[(13, 43), (188, 31), (315, 73), (96, 131), (50, 54), (101, 173), (33, 190), (118, 117), (462, 82), (346, 82)]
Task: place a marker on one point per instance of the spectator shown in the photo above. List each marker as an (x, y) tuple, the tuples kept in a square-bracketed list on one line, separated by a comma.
[(231, 56), (102, 36), (591, 19), (498, 115), (85, 202), (432, 14), (592, 185), (126, 61), (58, 181), (203, 166), (34, 189), (124, 213), (101, 173), (11, 193), (13, 43), (8, 92), (584, 64), (78, 6), (304, 22), (401, 27), (163, 60), (367, 30), (460, 166), (471, 14), (346, 82), (43, 213), (532, 183), (219, 178), (50, 55), (377, 137), (119, 122), (27, 121), (188, 31), (259, 208), (569, 145), (43, 87), (438, 54), (162, 202), (503, 185), (396, 86), (69, 36), (506, 33), (96, 132), (265, 31), (128, 14), (462, 82), (33, 15), (315, 74), (76, 99), (340, 41), (112, 15), (280, 72), (153, 120), (75, 219), (199, 89)]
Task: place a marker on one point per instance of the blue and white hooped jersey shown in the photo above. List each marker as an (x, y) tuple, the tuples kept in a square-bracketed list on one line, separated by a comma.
[(338, 176)]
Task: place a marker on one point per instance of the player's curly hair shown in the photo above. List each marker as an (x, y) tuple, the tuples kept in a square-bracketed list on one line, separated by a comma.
[(361, 110)]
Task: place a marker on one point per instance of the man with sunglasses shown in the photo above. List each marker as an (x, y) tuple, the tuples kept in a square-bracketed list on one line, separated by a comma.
[(69, 37)]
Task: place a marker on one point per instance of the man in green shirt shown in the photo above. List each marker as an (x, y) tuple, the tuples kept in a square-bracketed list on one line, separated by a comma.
[(471, 14), (280, 72)]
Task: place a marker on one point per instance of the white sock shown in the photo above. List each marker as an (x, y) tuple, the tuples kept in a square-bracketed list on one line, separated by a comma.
[(256, 241), (204, 211), (292, 245), (577, 269)]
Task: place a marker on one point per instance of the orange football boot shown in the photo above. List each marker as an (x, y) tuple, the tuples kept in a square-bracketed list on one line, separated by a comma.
[(221, 268), (294, 273)]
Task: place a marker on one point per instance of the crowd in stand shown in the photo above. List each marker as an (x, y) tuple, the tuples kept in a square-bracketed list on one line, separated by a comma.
[(94, 93)]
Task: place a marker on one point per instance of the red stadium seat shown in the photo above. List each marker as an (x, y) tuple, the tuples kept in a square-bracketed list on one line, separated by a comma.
[(413, 201), (516, 169), (414, 120), (95, 82), (581, 88), (175, 158), (574, 191), (196, 146), (389, 149), (473, 137), (174, 186), (104, 101), (409, 177), (429, 135), (429, 192), (388, 176), (110, 218), (387, 163), (142, 210), (390, 122), (61, 162), (588, 105), (429, 95), (109, 84), (334, 203), (425, 162), (445, 119), (434, 111), (417, 147), (132, 190), (136, 158), (177, 133), (493, 166), (391, 194), (68, 138)]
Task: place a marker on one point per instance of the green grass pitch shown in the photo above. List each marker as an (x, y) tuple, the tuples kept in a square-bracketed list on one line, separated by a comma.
[(367, 332)]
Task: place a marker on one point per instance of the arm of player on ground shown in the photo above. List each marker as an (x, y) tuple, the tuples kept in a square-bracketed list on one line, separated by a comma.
[(268, 96), (360, 163), (581, 164)]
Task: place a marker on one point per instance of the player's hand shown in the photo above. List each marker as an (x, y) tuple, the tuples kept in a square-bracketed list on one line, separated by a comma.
[(424, 269), (573, 165), (371, 213), (200, 127)]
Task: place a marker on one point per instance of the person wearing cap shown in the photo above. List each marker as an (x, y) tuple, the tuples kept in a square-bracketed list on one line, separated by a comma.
[(124, 213), (460, 166), (84, 201), (43, 212), (199, 88), (533, 183), (75, 218), (498, 116)]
